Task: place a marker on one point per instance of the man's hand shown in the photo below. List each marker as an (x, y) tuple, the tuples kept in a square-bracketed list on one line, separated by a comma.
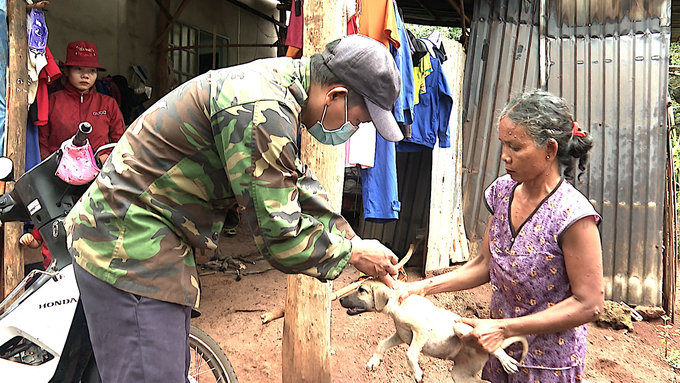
[(374, 259)]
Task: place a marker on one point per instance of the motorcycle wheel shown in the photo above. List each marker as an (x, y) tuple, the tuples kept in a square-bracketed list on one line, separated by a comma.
[(208, 361)]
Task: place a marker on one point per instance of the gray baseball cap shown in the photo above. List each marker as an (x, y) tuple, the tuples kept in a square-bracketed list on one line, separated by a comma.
[(367, 67)]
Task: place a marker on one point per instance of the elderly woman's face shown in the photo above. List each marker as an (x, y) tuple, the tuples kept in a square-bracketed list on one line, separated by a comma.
[(523, 160)]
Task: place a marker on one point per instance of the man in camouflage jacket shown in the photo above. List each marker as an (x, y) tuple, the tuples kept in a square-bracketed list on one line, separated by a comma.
[(227, 137)]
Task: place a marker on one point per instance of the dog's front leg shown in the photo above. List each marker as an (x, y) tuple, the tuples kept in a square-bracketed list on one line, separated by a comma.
[(383, 346), (419, 340)]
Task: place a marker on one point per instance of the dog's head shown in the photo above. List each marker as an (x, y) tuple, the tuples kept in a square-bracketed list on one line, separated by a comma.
[(371, 295)]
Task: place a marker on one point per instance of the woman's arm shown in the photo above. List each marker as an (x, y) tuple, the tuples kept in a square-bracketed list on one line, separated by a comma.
[(472, 274), (583, 259)]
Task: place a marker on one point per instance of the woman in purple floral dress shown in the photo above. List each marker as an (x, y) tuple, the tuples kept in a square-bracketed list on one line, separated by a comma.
[(541, 252)]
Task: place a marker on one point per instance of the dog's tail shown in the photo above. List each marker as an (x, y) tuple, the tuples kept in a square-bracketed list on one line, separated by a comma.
[(515, 339)]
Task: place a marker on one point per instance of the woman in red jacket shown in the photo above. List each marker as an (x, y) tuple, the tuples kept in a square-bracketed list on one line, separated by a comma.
[(79, 102)]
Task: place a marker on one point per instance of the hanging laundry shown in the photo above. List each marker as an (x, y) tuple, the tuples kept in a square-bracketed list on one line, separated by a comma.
[(360, 148), (431, 114), (47, 76), (37, 30), (379, 185), (352, 17), (377, 21), (434, 45), (32, 154), (295, 31), (35, 63), (419, 49), (4, 62), (353, 25), (403, 108), (420, 72)]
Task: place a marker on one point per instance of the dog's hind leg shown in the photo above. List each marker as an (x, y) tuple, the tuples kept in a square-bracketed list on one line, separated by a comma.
[(468, 365), (383, 346)]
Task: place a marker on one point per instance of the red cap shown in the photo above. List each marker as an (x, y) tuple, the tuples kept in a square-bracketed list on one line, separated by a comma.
[(82, 53)]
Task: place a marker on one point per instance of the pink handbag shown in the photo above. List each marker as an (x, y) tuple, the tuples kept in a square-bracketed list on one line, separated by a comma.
[(77, 165)]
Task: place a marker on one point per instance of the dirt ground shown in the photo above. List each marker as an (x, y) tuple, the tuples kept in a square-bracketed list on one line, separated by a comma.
[(231, 312)]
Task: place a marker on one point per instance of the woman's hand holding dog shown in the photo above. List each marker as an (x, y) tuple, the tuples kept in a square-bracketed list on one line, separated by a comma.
[(488, 334), (413, 288), (374, 259)]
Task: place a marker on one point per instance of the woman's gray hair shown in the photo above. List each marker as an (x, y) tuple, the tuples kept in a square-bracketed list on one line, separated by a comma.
[(545, 117), (322, 75)]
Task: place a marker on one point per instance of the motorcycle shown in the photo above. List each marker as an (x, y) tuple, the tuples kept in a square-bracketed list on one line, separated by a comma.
[(43, 331)]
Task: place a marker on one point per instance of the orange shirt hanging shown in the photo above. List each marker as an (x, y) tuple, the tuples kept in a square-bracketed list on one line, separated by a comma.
[(377, 20)]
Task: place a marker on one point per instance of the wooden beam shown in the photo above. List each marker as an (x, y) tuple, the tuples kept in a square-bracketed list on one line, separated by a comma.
[(17, 115), (461, 12), (214, 46), (162, 70), (282, 32), (164, 35), (257, 13), (164, 9), (170, 49), (306, 329), (428, 10)]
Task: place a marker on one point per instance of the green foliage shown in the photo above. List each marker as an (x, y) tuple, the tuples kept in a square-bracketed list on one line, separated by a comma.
[(675, 151), (675, 54), (673, 359), (671, 355), (422, 31)]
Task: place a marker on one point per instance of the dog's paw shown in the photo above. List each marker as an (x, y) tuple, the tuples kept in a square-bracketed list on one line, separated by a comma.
[(509, 364), (418, 375), (373, 363)]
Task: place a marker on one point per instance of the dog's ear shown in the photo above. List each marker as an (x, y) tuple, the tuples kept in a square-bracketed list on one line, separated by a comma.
[(380, 296)]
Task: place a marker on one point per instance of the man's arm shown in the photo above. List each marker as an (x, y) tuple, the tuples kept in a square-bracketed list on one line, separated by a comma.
[(283, 203)]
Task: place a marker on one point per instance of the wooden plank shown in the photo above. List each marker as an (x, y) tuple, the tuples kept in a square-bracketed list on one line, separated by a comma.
[(446, 239), (164, 34), (258, 13), (162, 70), (17, 115), (306, 329), (670, 230)]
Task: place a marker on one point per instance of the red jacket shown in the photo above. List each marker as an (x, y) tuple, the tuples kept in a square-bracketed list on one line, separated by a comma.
[(47, 258), (68, 108)]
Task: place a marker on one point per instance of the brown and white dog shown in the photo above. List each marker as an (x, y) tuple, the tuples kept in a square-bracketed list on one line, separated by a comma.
[(428, 329)]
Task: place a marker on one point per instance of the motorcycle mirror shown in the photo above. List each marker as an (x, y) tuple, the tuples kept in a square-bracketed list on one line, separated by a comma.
[(6, 169)]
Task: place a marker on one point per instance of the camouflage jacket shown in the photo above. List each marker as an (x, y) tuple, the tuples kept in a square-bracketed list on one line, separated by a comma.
[(227, 137)]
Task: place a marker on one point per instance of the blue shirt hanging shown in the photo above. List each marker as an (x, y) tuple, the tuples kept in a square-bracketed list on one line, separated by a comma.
[(431, 114)]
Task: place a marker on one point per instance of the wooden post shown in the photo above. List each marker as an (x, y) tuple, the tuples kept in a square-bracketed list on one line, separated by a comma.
[(306, 329), (214, 48), (162, 55), (15, 131)]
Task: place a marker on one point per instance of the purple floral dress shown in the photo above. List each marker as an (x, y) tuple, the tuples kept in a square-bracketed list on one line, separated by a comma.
[(528, 275)]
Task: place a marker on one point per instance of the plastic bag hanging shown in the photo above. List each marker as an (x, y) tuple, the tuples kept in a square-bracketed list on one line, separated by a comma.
[(77, 165)]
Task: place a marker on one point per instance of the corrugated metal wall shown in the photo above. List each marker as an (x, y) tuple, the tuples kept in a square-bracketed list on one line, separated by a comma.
[(609, 61)]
